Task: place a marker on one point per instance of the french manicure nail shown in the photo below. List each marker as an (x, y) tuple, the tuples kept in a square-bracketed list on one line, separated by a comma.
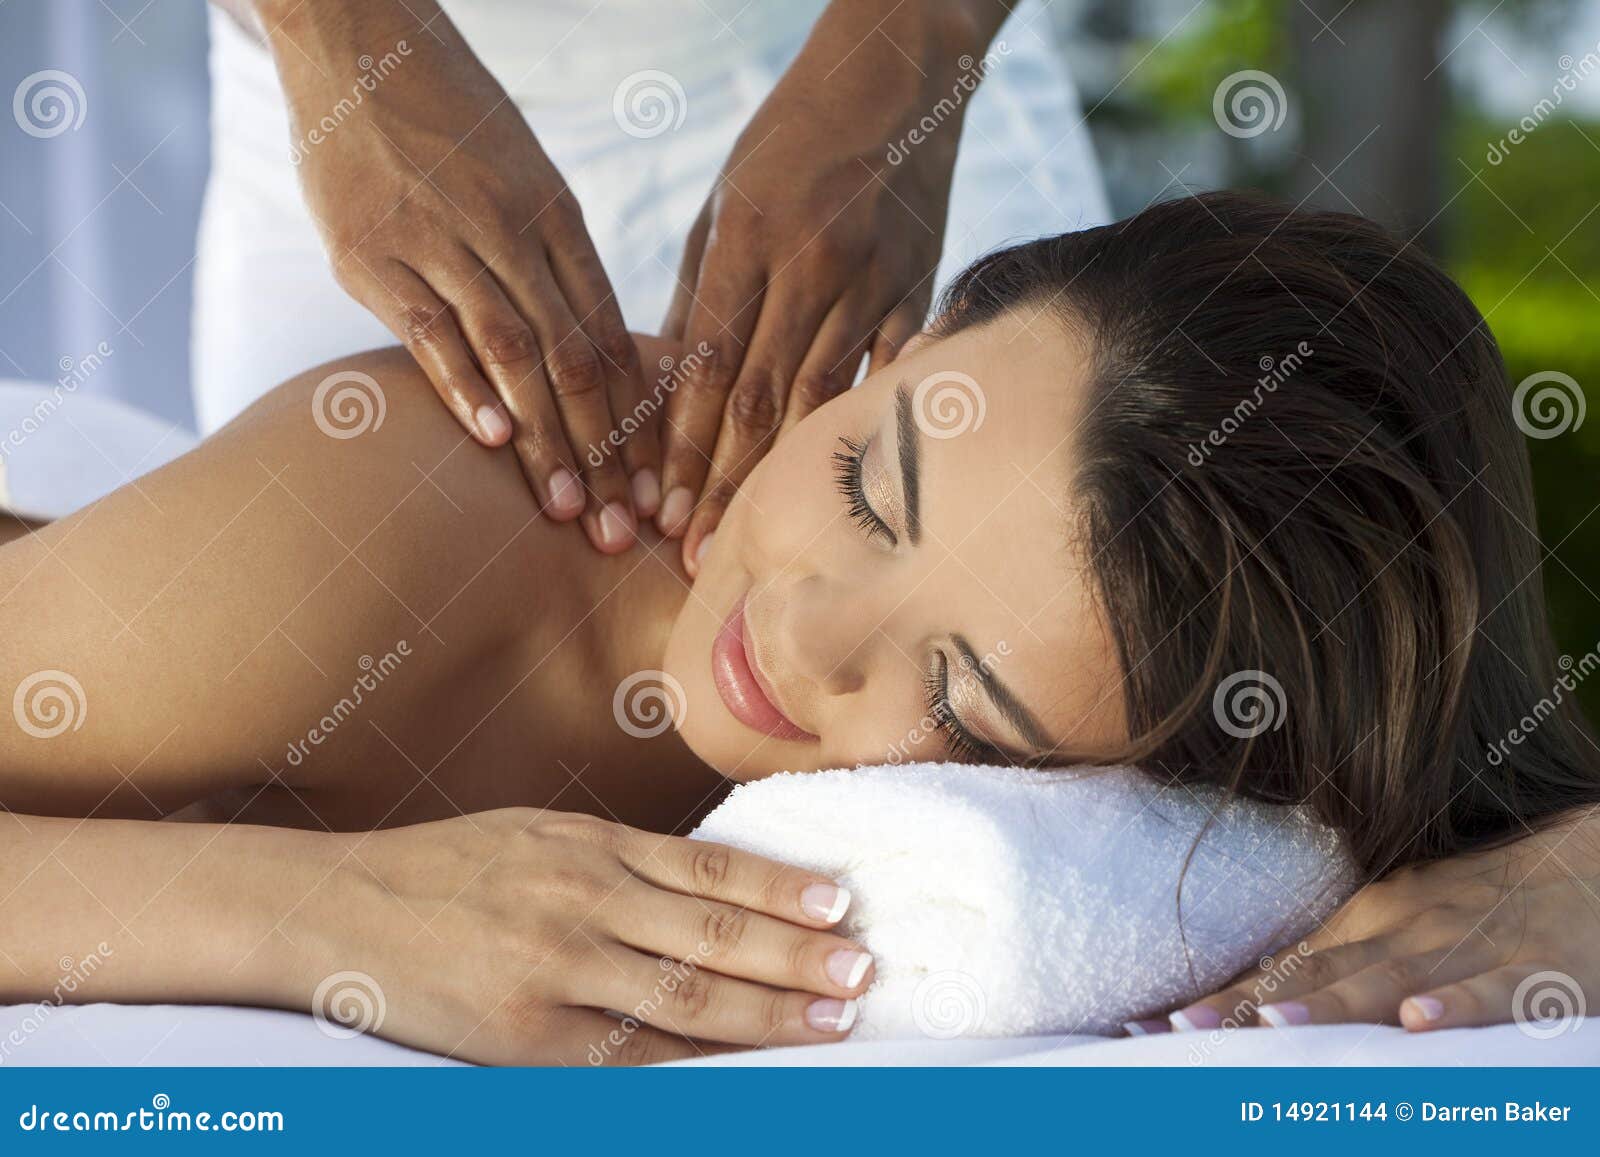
[(846, 966), (566, 496), (492, 424), (675, 509), (1285, 1015), (1430, 1007), (646, 492), (1196, 1018), (616, 524), (825, 902), (1146, 1027), (829, 1015)]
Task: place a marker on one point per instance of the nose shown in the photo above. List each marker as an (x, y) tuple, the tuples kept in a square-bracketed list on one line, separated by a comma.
[(828, 632)]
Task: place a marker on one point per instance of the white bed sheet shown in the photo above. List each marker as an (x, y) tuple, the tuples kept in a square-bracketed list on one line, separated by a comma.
[(203, 1035)]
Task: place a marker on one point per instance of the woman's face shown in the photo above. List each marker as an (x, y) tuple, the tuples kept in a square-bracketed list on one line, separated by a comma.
[(898, 579)]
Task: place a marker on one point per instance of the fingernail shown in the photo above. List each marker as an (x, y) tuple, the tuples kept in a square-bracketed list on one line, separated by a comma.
[(675, 509), (829, 1015), (1285, 1015), (702, 550), (492, 424), (825, 902), (1196, 1018), (616, 524), (1428, 1007), (566, 496), (646, 492), (1146, 1027), (847, 966)]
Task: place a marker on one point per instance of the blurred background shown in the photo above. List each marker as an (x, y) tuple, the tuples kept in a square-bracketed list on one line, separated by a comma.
[(1473, 126)]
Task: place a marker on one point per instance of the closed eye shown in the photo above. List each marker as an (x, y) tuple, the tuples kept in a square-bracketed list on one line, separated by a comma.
[(847, 476)]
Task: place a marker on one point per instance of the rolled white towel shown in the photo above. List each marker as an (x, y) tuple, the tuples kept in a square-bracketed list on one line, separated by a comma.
[(1006, 902)]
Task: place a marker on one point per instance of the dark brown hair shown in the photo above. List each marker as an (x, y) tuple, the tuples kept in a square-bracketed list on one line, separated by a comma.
[(1310, 520)]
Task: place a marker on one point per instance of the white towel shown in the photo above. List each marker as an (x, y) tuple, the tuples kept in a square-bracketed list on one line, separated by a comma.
[(1005, 902)]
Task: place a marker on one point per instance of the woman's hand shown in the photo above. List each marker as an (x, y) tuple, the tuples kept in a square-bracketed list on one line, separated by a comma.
[(443, 216), (501, 937), (819, 241), (1446, 945)]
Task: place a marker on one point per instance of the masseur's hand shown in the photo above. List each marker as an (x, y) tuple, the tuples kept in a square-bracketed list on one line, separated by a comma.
[(1455, 943), (443, 216), (502, 937), (819, 241)]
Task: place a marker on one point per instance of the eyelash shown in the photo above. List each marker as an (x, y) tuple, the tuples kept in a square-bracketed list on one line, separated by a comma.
[(847, 476)]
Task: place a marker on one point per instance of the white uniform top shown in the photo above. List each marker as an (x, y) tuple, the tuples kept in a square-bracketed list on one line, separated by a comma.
[(638, 103)]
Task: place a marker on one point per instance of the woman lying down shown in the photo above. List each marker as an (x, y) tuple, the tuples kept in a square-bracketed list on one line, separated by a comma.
[(485, 836)]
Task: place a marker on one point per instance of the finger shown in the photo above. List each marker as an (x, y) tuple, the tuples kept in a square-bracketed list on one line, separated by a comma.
[(588, 291), (742, 943), (1495, 997), (691, 1000), (717, 872), (694, 247), (598, 1039), (755, 408), (720, 324), (577, 381), (1282, 976), (830, 365), (422, 323), (902, 324), (1373, 995)]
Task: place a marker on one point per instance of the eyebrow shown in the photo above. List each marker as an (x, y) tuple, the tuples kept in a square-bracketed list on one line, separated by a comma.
[(1010, 706), (910, 461)]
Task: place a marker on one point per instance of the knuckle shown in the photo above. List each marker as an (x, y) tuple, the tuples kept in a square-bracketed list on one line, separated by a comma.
[(813, 389), (525, 1015), (615, 346), (755, 405), (692, 999), (776, 1013), (575, 370), (506, 343), (802, 957), (709, 868), (1399, 973), (1317, 970), (715, 373), (722, 930), (419, 327), (638, 1047)]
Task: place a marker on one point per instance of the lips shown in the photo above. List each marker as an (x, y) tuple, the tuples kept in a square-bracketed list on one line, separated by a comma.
[(747, 695)]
